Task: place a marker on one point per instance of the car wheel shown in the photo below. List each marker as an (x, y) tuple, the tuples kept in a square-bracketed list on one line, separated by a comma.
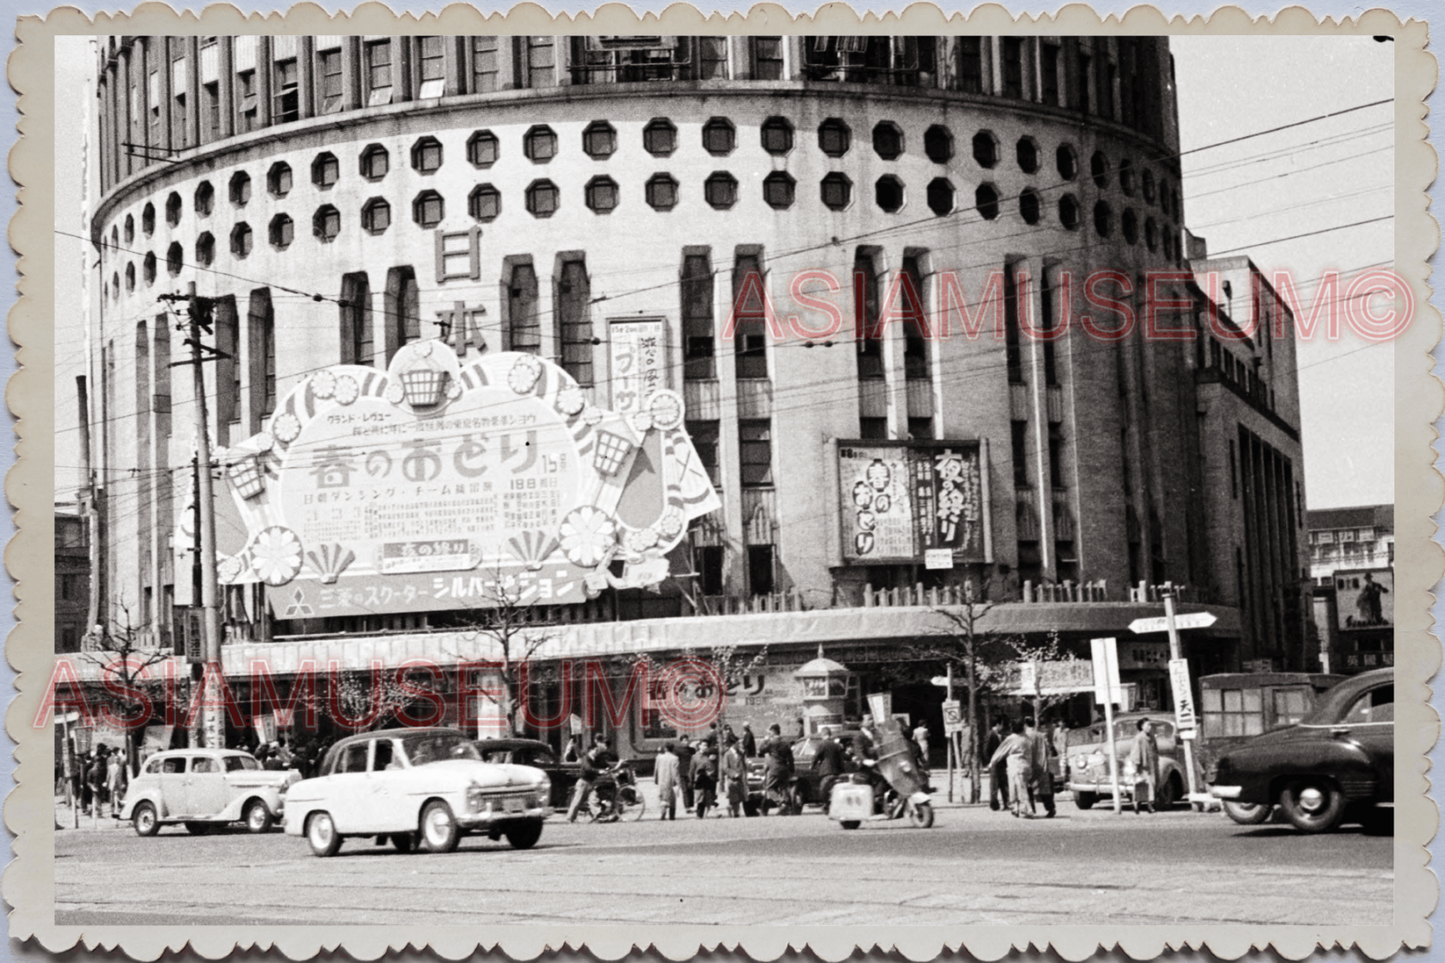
[(258, 817), (850, 824), (525, 835), (322, 835), (404, 842), (1085, 800), (1312, 804), (1169, 793), (145, 820), (1247, 814), (439, 830)]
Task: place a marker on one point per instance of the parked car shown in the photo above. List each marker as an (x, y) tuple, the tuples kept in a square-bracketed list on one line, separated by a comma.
[(1086, 760), (538, 755), (423, 787), (1337, 764), (204, 789), (807, 782)]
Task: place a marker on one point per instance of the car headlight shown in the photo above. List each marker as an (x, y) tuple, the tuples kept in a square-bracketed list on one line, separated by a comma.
[(475, 797), (544, 790)]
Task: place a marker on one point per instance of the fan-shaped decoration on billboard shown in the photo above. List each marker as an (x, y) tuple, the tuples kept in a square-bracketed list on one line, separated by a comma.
[(426, 486)]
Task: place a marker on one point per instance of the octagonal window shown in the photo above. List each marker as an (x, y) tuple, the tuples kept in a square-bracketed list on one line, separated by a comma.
[(130, 273), (483, 148), (602, 195), (148, 267), (1103, 219), (1069, 212), (375, 162), (204, 200), (1066, 162), (720, 190), (241, 240), (278, 179), (938, 144), (779, 190), (325, 170), (1126, 177), (1151, 234), (1026, 152), (834, 137), (661, 192), (659, 137), (205, 249), (129, 229), (985, 201), (540, 144), (281, 231), (543, 198), (1030, 207), (148, 219), (940, 196), (173, 209), (1129, 226), (888, 192), (240, 189), (887, 140), (484, 203), (326, 223), (777, 136), (719, 137), (985, 149), (426, 155), (175, 258), (376, 215), (837, 191), (1099, 169), (599, 140), (428, 209), (1147, 181)]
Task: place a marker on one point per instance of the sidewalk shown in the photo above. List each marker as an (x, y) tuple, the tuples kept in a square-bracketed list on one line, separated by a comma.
[(65, 819)]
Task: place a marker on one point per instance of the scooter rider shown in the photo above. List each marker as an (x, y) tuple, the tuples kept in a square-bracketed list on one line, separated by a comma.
[(829, 764)]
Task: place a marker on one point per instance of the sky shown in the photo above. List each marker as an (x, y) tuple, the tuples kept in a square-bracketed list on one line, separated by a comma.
[(1313, 177)]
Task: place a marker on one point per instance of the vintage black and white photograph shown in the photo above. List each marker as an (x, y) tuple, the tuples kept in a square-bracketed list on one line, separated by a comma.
[(740, 481)]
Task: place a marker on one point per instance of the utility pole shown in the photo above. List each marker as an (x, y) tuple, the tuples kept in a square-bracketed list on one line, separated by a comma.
[(1176, 658), (199, 310)]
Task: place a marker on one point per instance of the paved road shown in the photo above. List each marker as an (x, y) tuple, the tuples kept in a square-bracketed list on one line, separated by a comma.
[(974, 866)]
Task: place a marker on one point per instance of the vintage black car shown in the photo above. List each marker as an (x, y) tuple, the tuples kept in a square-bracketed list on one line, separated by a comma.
[(539, 755), (1338, 763), (807, 782)]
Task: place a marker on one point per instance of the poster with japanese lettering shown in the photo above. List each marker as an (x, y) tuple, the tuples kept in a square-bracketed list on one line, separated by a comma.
[(639, 362), (438, 484), (877, 503)]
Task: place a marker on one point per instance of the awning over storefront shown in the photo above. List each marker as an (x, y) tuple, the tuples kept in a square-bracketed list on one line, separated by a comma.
[(773, 629)]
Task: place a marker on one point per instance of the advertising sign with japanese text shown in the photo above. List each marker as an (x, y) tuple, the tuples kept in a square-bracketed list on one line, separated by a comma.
[(638, 352), (438, 484), (1365, 599), (912, 501)]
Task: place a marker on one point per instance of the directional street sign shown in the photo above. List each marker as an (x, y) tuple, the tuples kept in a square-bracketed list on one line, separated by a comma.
[(1191, 620)]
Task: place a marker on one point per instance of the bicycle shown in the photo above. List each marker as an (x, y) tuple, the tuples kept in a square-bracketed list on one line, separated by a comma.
[(617, 796)]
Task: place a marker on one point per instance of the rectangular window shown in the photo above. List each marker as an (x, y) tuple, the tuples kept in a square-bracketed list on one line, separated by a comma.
[(541, 62), (484, 65), (284, 93), (873, 429), (431, 68), (1048, 292), (575, 321), (377, 70), (708, 560), (1013, 67), (1056, 456), (865, 310), (920, 428), (915, 321), (1233, 472), (767, 58), (704, 435), (1049, 70), (1106, 91), (760, 570), (329, 80), (970, 65), (750, 341), (524, 330), (1232, 712), (211, 110), (228, 368), (1019, 437), (756, 453), (1013, 350), (1081, 84), (712, 58), (246, 101), (402, 310), (698, 345), (357, 346)]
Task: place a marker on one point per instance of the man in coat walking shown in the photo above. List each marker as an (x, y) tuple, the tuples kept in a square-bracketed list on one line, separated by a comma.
[(666, 775)]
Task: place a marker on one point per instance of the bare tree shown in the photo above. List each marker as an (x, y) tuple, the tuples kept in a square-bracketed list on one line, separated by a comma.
[(126, 662), (962, 631), (507, 632)]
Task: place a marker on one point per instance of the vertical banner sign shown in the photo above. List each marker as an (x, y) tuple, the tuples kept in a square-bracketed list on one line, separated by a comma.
[(1106, 671), (638, 362), (1183, 700), (265, 727), (881, 705)]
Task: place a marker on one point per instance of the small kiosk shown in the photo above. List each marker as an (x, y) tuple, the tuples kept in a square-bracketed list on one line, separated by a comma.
[(825, 690)]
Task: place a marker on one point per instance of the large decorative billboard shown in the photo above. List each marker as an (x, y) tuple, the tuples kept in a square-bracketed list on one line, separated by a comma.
[(1365, 599), (901, 499), (439, 484)]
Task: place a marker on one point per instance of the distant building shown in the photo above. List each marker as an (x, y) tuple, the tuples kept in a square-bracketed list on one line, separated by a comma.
[(72, 578), (1352, 563)]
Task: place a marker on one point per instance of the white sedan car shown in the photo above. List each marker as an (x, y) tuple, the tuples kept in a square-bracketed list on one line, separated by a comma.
[(205, 789), (426, 786)]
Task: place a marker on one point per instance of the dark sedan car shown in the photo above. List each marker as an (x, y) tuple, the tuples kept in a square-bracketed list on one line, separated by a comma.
[(539, 755), (807, 781), (1337, 763)]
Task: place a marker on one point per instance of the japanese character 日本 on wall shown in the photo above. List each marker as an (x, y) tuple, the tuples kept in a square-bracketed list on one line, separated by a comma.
[(438, 484), (899, 499)]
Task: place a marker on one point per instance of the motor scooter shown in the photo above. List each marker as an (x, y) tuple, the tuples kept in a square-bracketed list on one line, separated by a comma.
[(859, 798)]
